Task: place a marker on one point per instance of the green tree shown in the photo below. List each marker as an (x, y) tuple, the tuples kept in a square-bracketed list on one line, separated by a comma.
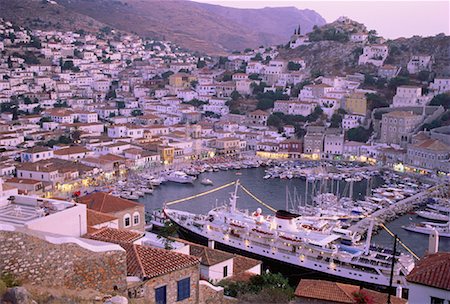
[(167, 74), (275, 121), (336, 121), (375, 101), (235, 95), (137, 112), (254, 77), (292, 66), (424, 75), (201, 64), (166, 233), (359, 134), (120, 104), (441, 100), (257, 57)]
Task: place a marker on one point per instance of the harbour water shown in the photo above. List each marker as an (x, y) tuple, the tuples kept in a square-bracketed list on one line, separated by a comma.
[(273, 192)]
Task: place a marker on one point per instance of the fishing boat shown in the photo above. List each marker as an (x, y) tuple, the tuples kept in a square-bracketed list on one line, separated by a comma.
[(207, 182), (310, 243)]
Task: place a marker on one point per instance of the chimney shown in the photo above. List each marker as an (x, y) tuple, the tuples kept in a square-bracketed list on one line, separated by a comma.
[(433, 242)]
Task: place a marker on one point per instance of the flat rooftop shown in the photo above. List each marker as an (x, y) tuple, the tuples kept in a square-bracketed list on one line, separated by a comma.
[(23, 209)]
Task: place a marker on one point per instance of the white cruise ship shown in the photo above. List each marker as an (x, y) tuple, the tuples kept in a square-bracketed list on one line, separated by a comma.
[(291, 239)]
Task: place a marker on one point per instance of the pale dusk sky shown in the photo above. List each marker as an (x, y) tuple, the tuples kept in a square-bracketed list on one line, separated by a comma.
[(391, 19)]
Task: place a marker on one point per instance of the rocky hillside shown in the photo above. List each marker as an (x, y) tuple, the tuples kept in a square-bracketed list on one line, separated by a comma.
[(197, 26), (335, 54), (401, 50), (45, 15)]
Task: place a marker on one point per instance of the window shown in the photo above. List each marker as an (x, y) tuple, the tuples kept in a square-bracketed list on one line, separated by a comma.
[(225, 271), (183, 289), (160, 295), (136, 218), (436, 301), (127, 220)]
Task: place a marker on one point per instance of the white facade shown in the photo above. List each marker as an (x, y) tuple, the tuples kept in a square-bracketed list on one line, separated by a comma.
[(419, 63), (407, 96), (421, 294), (217, 272), (374, 54), (440, 85)]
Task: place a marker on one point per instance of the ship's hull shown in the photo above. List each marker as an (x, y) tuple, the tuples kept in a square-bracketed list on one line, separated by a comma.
[(425, 231), (293, 271)]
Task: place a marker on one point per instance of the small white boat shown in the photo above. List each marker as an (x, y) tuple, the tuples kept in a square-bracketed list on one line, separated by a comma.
[(130, 196), (206, 182), (432, 216), (180, 177), (427, 228), (147, 190)]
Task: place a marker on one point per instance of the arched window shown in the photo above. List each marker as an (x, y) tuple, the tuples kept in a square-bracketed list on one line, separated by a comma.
[(127, 220), (136, 218)]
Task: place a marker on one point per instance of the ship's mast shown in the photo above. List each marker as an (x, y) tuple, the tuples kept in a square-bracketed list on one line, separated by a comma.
[(234, 197)]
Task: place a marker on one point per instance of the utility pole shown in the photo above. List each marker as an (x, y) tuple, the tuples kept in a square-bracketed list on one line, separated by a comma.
[(392, 270)]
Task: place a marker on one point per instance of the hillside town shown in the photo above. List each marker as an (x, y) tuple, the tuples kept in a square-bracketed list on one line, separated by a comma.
[(82, 113)]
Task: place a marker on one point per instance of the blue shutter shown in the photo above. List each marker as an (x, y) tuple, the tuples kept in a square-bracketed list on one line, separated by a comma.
[(184, 289), (160, 295)]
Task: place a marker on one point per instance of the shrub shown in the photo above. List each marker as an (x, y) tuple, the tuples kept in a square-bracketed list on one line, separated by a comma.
[(3, 288), (9, 280)]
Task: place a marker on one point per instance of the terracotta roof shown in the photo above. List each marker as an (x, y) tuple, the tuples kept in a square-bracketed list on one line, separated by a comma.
[(241, 264), (339, 293), (113, 235), (209, 256), (96, 218), (71, 150), (149, 262), (433, 144), (27, 181), (324, 290), (433, 270), (37, 149), (106, 203)]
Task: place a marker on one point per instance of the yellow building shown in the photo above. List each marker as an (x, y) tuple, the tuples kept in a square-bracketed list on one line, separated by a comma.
[(356, 103), (181, 80), (167, 154)]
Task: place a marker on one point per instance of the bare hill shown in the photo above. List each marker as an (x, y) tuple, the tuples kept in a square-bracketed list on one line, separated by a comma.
[(198, 26)]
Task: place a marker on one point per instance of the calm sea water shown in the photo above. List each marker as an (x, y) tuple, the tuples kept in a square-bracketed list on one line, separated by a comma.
[(273, 192)]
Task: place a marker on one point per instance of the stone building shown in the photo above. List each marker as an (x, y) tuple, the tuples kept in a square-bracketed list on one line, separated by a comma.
[(428, 153), (333, 143), (356, 103), (258, 117), (397, 126), (131, 215), (164, 276), (313, 141)]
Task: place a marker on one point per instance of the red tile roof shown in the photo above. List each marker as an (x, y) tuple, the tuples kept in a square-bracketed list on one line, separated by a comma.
[(149, 262), (96, 218), (339, 293), (433, 270), (103, 202), (113, 235)]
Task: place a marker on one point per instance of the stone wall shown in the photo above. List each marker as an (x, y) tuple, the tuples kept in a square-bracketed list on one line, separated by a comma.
[(170, 280), (36, 261), (210, 294)]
